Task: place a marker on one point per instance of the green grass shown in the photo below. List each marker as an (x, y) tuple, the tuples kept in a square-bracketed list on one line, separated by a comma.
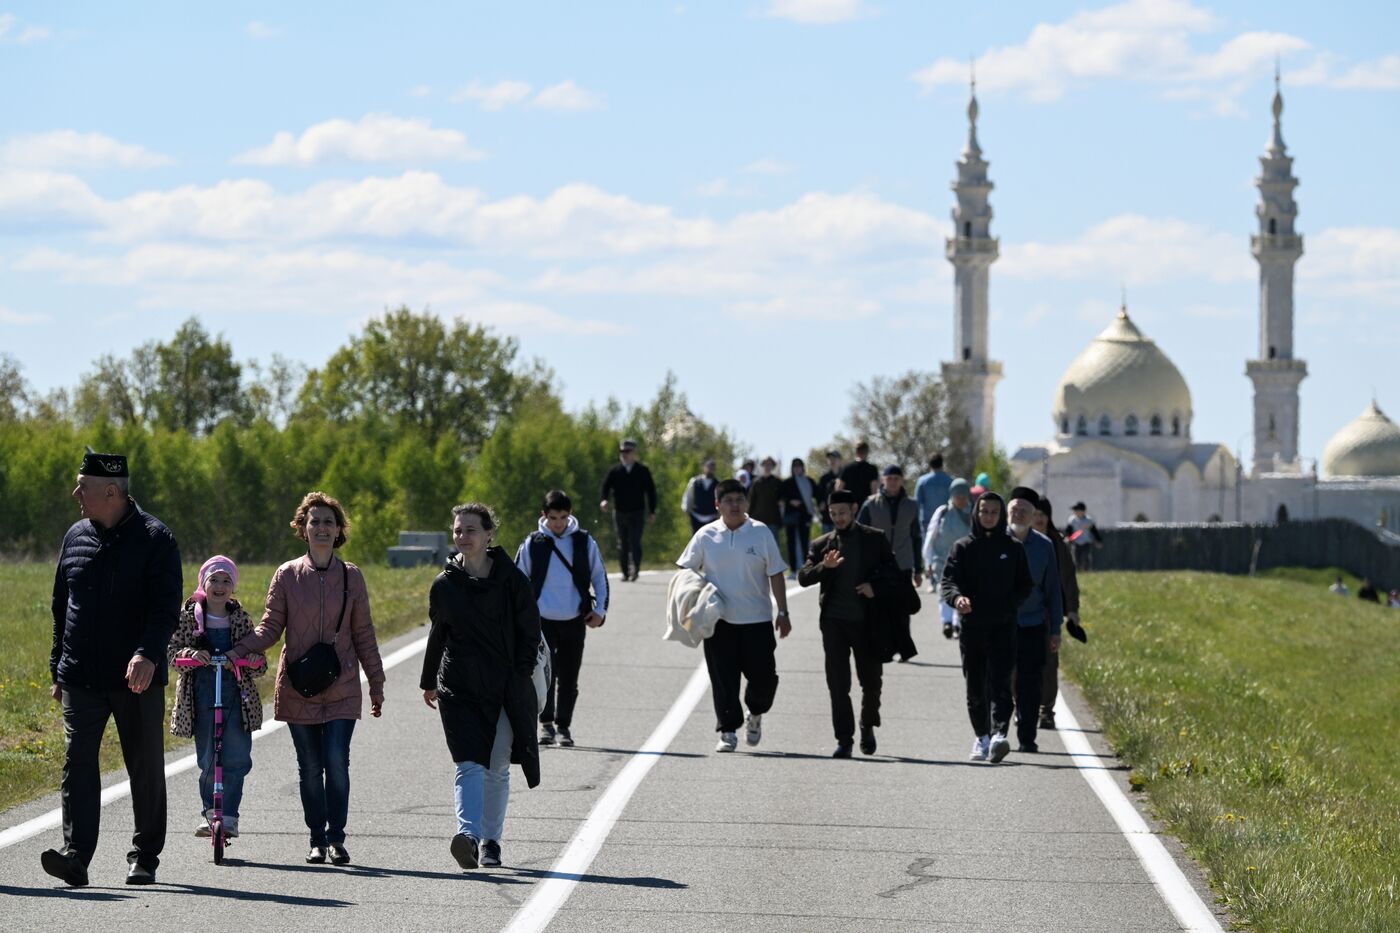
[(1262, 718), (31, 724)]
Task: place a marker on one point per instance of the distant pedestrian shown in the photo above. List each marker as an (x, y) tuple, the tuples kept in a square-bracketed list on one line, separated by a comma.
[(860, 476), (1082, 532), (931, 492), (477, 666), (1395, 599), (798, 494), (826, 485), (745, 473), (1368, 592), (1038, 618), (698, 501), (951, 522), (986, 579), (116, 599), (892, 512), (211, 621), (739, 556), (1044, 522), (570, 586), (847, 563), (315, 599), (766, 499), (629, 491), (981, 484), (1339, 588)]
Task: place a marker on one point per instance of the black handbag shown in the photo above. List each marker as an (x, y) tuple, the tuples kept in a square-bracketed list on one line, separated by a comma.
[(315, 671)]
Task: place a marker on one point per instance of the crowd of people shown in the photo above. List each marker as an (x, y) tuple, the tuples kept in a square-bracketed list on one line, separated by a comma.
[(507, 633), (1368, 592)]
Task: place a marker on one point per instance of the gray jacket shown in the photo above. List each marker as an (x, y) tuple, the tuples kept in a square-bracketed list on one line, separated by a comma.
[(901, 529)]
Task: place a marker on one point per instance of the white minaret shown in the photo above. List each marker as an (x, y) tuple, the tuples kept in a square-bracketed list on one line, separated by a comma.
[(1277, 246), (971, 377)]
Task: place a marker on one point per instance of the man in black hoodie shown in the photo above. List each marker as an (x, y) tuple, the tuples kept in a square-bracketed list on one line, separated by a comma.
[(986, 578)]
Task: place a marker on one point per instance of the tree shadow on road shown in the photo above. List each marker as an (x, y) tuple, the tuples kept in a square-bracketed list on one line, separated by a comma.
[(78, 894)]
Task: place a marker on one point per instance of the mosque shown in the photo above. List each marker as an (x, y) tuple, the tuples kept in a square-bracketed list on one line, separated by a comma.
[(1122, 411)]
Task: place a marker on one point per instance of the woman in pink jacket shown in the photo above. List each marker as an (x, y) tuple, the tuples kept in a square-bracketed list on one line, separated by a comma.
[(321, 598)]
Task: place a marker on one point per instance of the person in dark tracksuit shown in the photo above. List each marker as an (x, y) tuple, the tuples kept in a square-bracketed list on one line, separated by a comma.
[(1038, 619), (117, 594), (986, 578), (1069, 595), (629, 491), (571, 586), (845, 562)]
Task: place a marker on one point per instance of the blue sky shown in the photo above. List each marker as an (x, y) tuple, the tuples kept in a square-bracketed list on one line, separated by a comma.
[(751, 193)]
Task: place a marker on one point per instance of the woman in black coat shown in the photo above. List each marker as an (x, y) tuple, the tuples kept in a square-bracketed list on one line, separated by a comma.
[(477, 673)]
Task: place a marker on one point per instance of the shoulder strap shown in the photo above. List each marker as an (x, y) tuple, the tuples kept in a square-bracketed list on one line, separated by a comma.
[(345, 599)]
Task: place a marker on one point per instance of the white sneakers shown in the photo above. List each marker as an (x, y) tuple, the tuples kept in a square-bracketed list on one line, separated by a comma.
[(979, 748), (202, 830), (753, 729), (728, 742), (998, 749)]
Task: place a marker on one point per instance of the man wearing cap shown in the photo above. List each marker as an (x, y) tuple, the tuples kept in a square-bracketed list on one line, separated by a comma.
[(1038, 618), (116, 600), (628, 489), (1082, 532), (849, 563), (766, 498), (826, 486), (891, 511), (698, 501)]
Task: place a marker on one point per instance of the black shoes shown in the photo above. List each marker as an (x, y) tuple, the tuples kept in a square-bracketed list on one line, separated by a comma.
[(1029, 748), (843, 750), (490, 853), (867, 740), (464, 850), (948, 630), (139, 874), (565, 740), (1047, 720), (66, 868), (338, 854), (547, 733)]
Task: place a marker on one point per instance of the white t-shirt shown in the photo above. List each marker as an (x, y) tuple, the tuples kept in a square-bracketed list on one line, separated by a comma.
[(738, 563)]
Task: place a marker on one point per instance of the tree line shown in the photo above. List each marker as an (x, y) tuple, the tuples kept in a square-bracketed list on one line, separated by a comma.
[(409, 417)]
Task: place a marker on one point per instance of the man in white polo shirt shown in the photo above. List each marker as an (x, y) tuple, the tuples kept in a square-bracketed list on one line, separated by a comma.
[(741, 558)]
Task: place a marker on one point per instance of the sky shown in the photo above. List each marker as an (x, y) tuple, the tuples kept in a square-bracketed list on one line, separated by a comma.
[(753, 194)]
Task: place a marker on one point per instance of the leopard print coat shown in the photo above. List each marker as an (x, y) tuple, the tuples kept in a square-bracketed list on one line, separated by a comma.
[(182, 716)]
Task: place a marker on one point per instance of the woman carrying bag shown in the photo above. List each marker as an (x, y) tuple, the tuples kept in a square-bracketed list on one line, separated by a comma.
[(477, 673), (322, 605)]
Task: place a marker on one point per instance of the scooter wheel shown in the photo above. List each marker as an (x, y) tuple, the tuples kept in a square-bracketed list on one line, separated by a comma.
[(216, 831)]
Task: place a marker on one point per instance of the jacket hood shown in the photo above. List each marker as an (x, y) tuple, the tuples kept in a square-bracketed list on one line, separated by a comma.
[(569, 529), (977, 530), (500, 565), (957, 487)]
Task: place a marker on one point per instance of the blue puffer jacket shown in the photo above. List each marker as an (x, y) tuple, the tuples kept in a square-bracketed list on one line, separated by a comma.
[(117, 592)]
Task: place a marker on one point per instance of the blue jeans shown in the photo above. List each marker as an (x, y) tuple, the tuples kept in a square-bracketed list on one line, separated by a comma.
[(482, 793), (237, 750), (323, 763)]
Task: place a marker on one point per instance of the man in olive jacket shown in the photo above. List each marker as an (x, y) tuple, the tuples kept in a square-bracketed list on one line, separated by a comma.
[(116, 599)]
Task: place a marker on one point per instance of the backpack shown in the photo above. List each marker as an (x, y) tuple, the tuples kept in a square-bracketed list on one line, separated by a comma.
[(542, 547)]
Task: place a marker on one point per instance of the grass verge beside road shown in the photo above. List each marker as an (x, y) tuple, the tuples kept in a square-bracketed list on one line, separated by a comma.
[(31, 723), (1262, 718)]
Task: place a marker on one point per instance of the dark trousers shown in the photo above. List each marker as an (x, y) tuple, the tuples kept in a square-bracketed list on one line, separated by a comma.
[(741, 649), (841, 639), (1049, 679), (629, 527), (140, 719), (1083, 557), (988, 656), (565, 640), (323, 764), (799, 535), (1030, 668), (697, 523)]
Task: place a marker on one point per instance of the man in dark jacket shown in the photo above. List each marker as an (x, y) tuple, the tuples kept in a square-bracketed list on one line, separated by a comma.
[(846, 562), (765, 499), (1069, 594), (628, 489), (892, 511), (986, 578), (826, 485), (116, 599)]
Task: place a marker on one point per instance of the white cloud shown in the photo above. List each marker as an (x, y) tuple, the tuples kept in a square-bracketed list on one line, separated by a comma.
[(1383, 74), (1363, 262), (19, 318), (12, 32), (818, 11), (566, 95), (71, 149), (421, 90), (496, 96), (260, 30), (1137, 250), (376, 137)]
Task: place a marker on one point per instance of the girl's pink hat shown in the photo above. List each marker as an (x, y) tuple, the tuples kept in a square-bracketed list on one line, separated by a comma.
[(210, 567)]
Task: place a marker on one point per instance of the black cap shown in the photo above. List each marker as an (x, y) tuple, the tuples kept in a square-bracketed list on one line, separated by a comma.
[(1079, 507), (893, 469), (627, 444), (840, 496), (833, 453), (1026, 493), (108, 465)]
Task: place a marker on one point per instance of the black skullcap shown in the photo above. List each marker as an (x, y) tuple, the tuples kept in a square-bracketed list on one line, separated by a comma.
[(1026, 493), (843, 495), (893, 469), (107, 465)]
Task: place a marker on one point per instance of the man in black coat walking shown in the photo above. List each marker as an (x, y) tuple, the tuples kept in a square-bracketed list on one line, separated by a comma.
[(116, 599), (986, 578), (630, 492), (847, 563)]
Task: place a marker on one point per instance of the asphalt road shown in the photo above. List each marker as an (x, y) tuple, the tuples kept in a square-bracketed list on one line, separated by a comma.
[(779, 837)]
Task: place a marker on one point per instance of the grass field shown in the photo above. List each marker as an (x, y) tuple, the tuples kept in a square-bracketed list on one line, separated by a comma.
[(31, 724), (1262, 718)]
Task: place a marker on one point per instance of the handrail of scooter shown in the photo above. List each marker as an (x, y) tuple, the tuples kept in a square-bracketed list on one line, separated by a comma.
[(237, 663)]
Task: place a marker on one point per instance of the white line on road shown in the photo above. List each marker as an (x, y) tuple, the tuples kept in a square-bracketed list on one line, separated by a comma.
[(1191, 912), (551, 893)]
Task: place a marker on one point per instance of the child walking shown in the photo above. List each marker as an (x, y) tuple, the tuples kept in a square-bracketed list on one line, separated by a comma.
[(212, 621)]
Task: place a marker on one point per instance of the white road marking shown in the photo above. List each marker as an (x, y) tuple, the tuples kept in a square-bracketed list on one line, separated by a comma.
[(551, 893), (1191, 912)]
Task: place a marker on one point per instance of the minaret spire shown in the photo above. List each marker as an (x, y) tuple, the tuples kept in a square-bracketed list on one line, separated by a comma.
[(972, 377)]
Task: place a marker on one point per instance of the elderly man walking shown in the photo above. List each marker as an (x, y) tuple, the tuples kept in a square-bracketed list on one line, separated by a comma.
[(892, 511), (1039, 617), (630, 492), (116, 601)]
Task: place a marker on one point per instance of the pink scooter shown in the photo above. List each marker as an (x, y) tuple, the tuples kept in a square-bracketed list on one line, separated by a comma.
[(216, 813)]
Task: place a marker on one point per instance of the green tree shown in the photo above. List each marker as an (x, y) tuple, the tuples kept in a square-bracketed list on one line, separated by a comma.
[(997, 466), (905, 419), (14, 391), (197, 383)]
